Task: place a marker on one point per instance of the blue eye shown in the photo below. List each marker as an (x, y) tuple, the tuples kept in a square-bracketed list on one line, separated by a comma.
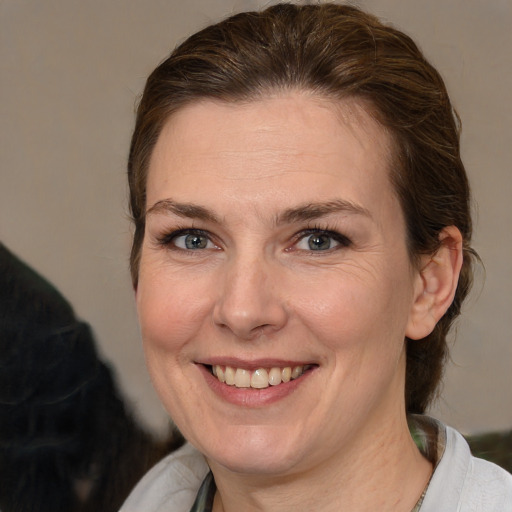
[(318, 240), (188, 240), (191, 241)]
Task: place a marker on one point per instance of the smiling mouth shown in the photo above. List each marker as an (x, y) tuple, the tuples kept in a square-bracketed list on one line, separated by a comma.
[(260, 378)]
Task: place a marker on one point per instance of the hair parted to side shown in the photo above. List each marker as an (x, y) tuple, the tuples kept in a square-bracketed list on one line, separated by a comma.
[(335, 51)]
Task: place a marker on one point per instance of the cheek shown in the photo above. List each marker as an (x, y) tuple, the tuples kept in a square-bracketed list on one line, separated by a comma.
[(170, 310), (353, 313)]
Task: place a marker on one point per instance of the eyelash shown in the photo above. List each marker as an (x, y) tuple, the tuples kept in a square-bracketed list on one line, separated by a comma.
[(342, 240), (167, 239)]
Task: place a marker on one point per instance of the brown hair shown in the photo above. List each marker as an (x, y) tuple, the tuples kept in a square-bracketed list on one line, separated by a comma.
[(336, 51)]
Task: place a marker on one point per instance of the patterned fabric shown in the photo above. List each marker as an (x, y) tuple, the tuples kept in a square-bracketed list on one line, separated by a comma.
[(431, 441), (205, 495)]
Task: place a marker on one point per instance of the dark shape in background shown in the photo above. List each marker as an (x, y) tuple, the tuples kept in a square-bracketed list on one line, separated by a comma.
[(495, 446), (67, 441)]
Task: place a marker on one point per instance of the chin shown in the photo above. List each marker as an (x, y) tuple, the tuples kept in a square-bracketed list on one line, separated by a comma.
[(256, 463), (254, 451)]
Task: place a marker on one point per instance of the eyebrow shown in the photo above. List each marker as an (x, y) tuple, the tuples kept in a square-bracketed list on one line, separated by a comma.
[(185, 210), (300, 213), (311, 211)]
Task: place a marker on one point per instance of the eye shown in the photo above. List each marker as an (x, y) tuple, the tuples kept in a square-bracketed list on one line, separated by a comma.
[(191, 241), (188, 240), (321, 240)]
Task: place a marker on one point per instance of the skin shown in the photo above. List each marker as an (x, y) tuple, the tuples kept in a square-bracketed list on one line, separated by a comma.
[(257, 291)]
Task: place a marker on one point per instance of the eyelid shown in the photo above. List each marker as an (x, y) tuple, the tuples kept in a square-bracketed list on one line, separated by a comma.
[(167, 239), (338, 237)]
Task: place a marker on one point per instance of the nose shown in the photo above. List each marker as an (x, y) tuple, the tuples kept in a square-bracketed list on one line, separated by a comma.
[(250, 302)]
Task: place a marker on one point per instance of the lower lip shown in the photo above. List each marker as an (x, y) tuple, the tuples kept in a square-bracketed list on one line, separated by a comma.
[(251, 397)]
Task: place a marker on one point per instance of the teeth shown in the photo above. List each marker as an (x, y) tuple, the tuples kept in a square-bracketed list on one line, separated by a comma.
[(274, 376), (229, 374), (297, 371), (220, 374), (242, 378), (259, 379)]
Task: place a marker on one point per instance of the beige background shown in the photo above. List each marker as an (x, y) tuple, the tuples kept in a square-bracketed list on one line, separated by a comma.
[(71, 72)]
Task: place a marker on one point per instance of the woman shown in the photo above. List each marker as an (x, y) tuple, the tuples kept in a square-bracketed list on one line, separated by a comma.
[(301, 248)]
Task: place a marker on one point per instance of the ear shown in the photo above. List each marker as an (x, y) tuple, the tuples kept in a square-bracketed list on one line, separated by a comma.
[(436, 283)]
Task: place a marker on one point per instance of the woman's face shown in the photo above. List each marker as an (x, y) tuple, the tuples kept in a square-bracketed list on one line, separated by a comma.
[(275, 245)]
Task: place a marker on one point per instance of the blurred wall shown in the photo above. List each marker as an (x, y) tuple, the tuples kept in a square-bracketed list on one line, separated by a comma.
[(70, 75)]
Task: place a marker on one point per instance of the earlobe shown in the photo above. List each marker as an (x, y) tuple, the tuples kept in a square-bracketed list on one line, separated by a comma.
[(436, 283)]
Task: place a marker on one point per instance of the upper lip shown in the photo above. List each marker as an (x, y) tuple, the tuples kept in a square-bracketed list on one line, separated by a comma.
[(253, 364)]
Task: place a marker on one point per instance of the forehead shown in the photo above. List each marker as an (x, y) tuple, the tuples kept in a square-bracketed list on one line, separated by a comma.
[(296, 141)]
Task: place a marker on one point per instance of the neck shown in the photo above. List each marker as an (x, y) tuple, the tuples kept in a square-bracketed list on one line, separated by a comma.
[(382, 470)]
